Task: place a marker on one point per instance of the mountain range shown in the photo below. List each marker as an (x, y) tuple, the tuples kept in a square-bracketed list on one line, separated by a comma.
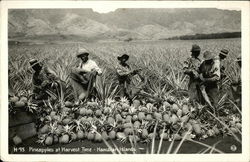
[(121, 24)]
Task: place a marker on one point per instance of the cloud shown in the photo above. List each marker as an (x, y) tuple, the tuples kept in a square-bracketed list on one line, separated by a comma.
[(231, 9), (104, 9), (107, 8)]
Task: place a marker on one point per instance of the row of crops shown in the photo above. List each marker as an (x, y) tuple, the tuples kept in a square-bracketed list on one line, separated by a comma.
[(119, 120), (143, 120)]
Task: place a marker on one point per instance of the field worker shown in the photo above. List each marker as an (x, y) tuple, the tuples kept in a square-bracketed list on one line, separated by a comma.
[(191, 67), (221, 60), (44, 80), (236, 87), (238, 60), (222, 56), (84, 75), (125, 74), (210, 76)]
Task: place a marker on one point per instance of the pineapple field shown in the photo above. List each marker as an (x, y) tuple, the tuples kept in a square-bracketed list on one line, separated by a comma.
[(159, 119)]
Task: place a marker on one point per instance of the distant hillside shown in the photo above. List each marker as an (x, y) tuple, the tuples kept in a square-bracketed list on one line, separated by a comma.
[(122, 24)]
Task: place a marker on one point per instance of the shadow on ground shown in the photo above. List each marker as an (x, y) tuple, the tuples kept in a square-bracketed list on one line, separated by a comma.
[(227, 144)]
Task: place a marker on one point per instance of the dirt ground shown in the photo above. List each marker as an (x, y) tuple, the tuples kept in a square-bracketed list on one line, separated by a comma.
[(227, 144)]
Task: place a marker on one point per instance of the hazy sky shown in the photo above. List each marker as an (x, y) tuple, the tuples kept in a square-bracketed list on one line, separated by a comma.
[(105, 9)]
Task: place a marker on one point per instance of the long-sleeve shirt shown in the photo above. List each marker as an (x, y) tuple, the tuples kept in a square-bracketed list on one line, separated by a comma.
[(46, 74), (43, 81), (123, 72), (221, 64), (191, 67), (89, 66), (210, 72), (236, 88)]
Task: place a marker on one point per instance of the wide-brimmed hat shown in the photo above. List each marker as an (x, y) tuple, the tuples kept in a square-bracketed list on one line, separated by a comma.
[(124, 56), (195, 48), (238, 59), (82, 52), (224, 52), (34, 62), (207, 55)]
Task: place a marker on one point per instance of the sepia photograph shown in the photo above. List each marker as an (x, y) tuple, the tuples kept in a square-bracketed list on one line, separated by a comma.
[(125, 81)]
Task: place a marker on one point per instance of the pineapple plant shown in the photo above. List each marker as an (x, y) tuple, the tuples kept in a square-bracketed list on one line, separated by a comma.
[(157, 116), (112, 134), (79, 129), (104, 135), (197, 128), (98, 113), (19, 104), (128, 118), (149, 117), (49, 140), (17, 140), (98, 137), (141, 116), (47, 137), (135, 117), (44, 129), (14, 99), (67, 132), (166, 118), (185, 109), (83, 111), (174, 108), (68, 104), (24, 99), (136, 103), (164, 136), (91, 136)]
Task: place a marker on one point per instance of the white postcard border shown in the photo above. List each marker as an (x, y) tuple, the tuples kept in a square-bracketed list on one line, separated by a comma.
[(243, 6)]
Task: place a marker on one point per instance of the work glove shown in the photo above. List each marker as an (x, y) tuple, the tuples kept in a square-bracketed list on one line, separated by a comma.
[(136, 71), (54, 85), (93, 72), (202, 78), (45, 83), (195, 73)]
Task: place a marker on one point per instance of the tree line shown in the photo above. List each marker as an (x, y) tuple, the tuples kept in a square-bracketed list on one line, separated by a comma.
[(207, 36)]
